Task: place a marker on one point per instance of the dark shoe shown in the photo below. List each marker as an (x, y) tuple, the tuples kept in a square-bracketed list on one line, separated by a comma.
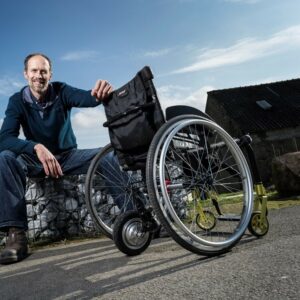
[(16, 247)]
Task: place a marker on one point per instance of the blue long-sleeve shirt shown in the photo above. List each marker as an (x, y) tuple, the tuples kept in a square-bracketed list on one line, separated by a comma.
[(50, 126)]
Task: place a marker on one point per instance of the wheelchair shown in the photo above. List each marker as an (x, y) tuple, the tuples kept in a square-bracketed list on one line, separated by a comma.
[(195, 182)]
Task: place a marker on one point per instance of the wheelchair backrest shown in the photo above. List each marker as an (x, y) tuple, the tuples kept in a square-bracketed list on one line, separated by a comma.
[(133, 115)]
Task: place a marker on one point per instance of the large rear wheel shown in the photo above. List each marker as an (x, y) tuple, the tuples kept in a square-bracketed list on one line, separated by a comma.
[(109, 190), (200, 184)]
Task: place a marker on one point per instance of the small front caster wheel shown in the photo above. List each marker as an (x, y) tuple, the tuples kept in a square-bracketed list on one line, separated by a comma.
[(256, 226), (206, 220), (129, 234)]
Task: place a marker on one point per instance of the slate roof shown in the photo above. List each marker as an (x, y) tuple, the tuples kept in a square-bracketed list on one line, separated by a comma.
[(245, 105)]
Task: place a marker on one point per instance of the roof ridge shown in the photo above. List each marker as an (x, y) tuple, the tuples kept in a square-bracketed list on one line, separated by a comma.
[(255, 85)]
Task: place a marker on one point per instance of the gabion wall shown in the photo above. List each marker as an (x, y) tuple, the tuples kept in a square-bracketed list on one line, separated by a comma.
[(56, 208)]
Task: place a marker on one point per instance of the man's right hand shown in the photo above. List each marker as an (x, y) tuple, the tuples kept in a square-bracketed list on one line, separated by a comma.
[(50, 164)]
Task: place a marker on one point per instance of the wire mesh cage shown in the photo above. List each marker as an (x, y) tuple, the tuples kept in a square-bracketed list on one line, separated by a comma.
[(56, 208)]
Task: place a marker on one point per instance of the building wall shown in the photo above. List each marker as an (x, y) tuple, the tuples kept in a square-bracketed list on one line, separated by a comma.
[(272, 144), (266, 145), (220, 116)]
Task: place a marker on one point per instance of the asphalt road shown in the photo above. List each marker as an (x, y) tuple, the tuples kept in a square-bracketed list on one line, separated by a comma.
[(267, 268)]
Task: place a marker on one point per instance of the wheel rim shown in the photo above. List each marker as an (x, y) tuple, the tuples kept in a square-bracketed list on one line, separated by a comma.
[(134, 237), (163, 191), (208, 222), (257, 226), (102, 203)]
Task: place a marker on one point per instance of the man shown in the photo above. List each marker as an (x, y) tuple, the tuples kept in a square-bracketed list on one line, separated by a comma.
[(43, 109)]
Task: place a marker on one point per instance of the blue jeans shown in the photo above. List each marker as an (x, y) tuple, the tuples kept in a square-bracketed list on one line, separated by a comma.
[(15, 168)]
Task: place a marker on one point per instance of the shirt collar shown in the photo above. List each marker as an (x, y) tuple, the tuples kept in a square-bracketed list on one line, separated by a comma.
[(49, 98)]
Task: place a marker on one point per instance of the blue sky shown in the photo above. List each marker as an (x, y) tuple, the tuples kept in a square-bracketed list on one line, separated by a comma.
[(192, 46)]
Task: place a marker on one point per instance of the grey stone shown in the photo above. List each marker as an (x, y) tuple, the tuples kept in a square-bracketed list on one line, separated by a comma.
[(88, 224), (41, 222), (97, 198), (49, 213), (81, 188), (39, 207), (34, 191), (81, 199), (30, 211), (71, 193), (49, 233), (63, 215), (73, 229), (53, 198), (71, 204), (83, 213), (80, 178), (3, 241), (35, 227), (43, 200), (114, 210), (286, 173), (75, 216), (68, 185), (34, 233), (61, 224)]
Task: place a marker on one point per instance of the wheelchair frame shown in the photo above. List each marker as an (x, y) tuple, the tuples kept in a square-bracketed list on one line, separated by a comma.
[(149, 204)]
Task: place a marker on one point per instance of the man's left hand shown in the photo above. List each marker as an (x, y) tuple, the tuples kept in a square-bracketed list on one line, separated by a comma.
[(101, 90)]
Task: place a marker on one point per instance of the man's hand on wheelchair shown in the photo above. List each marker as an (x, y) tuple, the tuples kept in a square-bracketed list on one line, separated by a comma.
[(101, 90)]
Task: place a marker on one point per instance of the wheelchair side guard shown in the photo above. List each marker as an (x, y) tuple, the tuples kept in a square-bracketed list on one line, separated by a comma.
[(179, 110)]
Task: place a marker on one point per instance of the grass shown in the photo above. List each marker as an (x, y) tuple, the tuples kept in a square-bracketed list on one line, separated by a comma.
[(283, 203), (275, 201)]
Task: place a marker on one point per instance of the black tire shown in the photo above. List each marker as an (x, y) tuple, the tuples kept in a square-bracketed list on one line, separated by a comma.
[(257, 229), (128, 234), (100, 199), (169, 183)]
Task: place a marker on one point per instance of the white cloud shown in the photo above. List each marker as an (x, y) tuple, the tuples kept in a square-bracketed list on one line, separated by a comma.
[(10, 85), (80, 55), (88, 117), (176, 95), (245, 50), (88, 127), (198, 98), (158, 53)]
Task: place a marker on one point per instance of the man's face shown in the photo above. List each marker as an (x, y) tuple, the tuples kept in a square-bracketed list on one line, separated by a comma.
[(38, 74)]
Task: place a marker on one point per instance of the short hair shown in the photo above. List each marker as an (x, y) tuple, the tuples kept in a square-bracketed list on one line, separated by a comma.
[(29, 56)]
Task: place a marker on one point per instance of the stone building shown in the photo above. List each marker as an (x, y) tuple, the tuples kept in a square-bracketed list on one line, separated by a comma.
[(270, 113)]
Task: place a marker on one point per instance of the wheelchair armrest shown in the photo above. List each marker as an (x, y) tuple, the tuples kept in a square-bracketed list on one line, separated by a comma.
[(245, 143)]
